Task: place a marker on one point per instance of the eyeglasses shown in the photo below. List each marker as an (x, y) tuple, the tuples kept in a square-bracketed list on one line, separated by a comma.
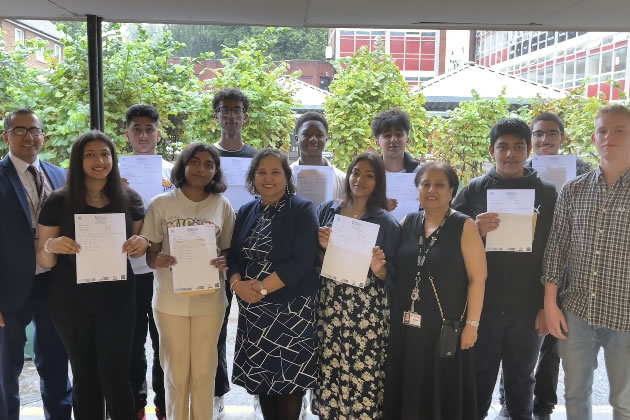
[(21, 131), (236, 111), (552, 134)]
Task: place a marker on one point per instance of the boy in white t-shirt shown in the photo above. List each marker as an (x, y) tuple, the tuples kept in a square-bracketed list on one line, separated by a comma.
[(143, 134)]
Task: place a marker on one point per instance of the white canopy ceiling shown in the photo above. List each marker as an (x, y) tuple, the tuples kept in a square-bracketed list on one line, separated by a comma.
[(588, 15)]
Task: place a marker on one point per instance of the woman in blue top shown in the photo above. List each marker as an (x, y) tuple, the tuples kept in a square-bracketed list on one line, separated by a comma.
[(272, 272), (353, 323)]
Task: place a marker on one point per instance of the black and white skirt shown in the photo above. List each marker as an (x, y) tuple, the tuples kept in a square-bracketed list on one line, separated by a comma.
[(276, 347)]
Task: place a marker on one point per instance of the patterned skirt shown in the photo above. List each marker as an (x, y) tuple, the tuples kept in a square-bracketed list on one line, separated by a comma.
[(276, 347), (353, 328)]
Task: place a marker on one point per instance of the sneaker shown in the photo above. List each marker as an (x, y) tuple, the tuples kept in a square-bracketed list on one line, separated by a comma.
[(140, 415), (257, 410), (504, 412), (160, 413), (219, 407)]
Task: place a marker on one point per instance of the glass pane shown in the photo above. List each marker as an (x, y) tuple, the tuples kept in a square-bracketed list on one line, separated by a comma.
[(607, 63), (593, 65), (580, 67), (620, 58)]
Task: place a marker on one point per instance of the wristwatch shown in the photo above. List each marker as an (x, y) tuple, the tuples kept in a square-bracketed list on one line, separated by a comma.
[(472, 323), (263, 291)]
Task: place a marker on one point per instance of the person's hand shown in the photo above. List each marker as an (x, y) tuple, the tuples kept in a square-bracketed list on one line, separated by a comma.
[(323, 236), (555, 321), (135, 245), (220, 263), (63, 245), (248, 290), (487, 222), (378, 261), (164, 260), (540, 323), (469, 337), (2, 324), (124, 180), (392, 203)]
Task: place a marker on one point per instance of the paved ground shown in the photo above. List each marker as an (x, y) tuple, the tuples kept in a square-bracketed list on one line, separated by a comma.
[(239, 404)]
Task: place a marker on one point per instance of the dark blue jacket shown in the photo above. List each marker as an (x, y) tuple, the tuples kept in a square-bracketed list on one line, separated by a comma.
[(294, 253), (17, 248)]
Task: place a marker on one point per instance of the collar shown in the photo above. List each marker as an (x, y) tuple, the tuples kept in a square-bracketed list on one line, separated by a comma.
[(336, 207), (624, 178), (299, 162), (218, 146), (21, 167)]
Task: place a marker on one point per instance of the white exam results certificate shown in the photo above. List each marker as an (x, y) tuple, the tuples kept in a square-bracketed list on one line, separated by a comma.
[(144, 174), (235, 171), (101, 237), (314, 183), (516, 211), (403, 189), (556, 169), (194, 247), (349, 253)]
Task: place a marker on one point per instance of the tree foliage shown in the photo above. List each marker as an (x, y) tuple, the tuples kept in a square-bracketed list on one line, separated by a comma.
[(461, 139), (249, 68), (292, 43), (365, 84), (578, 114)]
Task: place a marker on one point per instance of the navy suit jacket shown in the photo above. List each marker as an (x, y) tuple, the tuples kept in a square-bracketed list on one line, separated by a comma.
[(17, 250), (294, 253)]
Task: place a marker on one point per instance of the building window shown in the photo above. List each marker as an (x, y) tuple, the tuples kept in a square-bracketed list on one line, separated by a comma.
[(19, 36), (40, 52), (58, 53)]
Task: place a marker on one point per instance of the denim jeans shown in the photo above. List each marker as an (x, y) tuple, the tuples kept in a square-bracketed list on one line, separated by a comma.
[(579, 360)]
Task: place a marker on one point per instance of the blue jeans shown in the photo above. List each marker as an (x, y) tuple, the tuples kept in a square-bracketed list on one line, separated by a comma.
[(579, 360)]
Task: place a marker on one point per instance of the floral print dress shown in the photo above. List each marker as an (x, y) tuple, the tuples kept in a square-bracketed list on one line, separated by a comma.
[(353, 329)]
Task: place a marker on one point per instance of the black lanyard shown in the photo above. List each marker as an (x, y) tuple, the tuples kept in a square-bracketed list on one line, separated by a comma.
[(423, 253)]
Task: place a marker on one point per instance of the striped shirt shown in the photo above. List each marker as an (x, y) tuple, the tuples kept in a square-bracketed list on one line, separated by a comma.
[(590, 236)]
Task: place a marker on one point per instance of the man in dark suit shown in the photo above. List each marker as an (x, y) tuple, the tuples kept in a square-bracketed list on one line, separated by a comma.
[(25, 182)]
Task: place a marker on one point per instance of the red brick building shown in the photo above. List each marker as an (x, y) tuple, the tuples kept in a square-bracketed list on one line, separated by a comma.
[(315, 72), (15, 31), (419, 54)]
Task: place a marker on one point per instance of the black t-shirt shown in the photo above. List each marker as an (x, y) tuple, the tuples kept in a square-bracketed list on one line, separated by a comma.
[(101, 297), (246, 152)]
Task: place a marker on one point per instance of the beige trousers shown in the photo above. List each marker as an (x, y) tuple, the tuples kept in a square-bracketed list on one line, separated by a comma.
[(188, 355)]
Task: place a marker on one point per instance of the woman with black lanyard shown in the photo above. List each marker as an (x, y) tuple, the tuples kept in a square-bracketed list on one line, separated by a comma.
[(436, 307)]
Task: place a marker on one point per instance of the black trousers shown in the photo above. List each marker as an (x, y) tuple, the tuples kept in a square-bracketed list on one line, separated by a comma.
[(221, 378), (545, 390), (144, 323), (511, 339), (51, 360), (99, 349)]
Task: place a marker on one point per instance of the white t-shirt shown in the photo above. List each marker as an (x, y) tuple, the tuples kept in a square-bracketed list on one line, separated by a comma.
[(173, 209), (339, 179), (139, 265)]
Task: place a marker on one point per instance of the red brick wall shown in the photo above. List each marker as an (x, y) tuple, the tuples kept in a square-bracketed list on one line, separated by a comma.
[(312, 70), (8, 33)]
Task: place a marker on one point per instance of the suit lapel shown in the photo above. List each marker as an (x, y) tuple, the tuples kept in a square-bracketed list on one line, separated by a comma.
[(53, 176), (15, 182)]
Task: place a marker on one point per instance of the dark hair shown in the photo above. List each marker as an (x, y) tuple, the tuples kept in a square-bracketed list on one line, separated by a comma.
[(253, 167), (451, 175), (117, 193), (178, 173), (230, 93), (512, 126), (11, 116), (378, 199), (547, 116), (390, 118), (310, 116), (142, 110)]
